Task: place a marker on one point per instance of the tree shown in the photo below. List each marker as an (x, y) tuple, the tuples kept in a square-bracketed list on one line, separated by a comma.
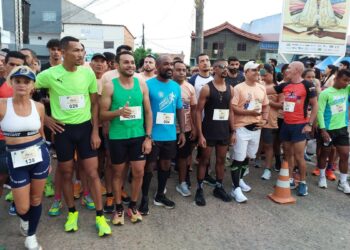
[(140, 53)]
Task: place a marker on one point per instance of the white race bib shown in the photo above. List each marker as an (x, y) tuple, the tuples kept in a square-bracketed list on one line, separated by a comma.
[(338, 108), (135, 114), (255, 105), (27, 156), (288, 106), (165, 118), (221, 114), (72, 102)]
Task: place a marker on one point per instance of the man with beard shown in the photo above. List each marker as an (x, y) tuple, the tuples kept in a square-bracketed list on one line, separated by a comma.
[(149, 67), (166, 103), (216, 129), (234, 76)]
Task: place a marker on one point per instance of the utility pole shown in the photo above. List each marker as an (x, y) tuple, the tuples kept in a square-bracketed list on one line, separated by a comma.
[(18, 24), (198, 41), (143, 36)]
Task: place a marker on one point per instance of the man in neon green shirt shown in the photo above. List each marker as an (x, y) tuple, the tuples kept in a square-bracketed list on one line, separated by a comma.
[(333, 120), (74, 106)]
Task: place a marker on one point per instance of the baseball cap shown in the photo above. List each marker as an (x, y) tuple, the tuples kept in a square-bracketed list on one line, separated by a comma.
[(96, 55), (251, 65), (24, 71)]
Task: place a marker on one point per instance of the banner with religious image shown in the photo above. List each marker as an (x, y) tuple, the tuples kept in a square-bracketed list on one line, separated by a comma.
[(314, 27)]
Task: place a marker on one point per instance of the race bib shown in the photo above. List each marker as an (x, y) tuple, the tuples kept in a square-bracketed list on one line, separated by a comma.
[(338, 108), (72, 102), (27, 156), (221, 114), (135, 114), (165, 118), (255, 105), (288, 106)]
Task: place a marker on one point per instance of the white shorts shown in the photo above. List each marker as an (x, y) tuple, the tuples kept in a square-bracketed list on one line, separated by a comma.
[(247, 144)]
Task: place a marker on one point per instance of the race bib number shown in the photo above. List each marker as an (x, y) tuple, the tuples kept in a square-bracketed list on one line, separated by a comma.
[(135, 114), (255, 105), (27, 156), (72, 102), (165, 118), (338, 108), (220, 114), (288, 106)]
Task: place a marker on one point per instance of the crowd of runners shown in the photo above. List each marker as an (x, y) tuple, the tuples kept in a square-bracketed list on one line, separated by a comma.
[(111, 124)]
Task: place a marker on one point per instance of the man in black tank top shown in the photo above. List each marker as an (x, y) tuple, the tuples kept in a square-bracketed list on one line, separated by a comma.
[(215, 130)]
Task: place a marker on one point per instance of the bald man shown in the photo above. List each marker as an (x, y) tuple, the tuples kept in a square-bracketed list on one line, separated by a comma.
[(298, 95)]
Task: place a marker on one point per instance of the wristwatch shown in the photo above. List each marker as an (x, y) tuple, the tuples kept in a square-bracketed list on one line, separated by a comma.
[(148, 136), (310, 124)]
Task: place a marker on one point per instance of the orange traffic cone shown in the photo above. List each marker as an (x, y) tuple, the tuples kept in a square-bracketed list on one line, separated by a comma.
[(282, 194)]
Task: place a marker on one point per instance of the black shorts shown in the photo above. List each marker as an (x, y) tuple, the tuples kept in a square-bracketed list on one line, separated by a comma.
[(292, 133), (104, 141), (340, 137), (3, 158), (268, 135), (185, 151), (126, 150), (162, 150), (213, 143), (74, 137)]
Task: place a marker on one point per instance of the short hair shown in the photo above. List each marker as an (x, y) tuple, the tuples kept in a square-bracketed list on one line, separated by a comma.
[(273, 60), (232, 59), (346, 63), (151, 56), (284, 67), (52, 43), (219, 60), (201, 54), (5, 50), (123, 47), (333, 68), (31, 52), (117, 58), (64, 42), (109, 56), (179, 61), (307, 71), (343, 72), (15, 54)]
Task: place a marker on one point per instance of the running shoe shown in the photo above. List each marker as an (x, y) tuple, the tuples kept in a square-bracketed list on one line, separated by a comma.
[(238, 195), (244, 186), (220, 193), (322, 182), (199, 198), (292, 183), (344, 187), (31, 243), (266, 175), (118, 218), (109, 207), (307, 157), (246, 172), (316, 172), (23, 227), (209, 181), (12, 209), (302, 189), (9, 197), (162, 201), (125, 198), (102, 226), (183, 189), (134, 215), (77, 190), (49, 190), (143, 208), (55, 208), (87, 202), (330, 175), (188, 180), (72, 222)]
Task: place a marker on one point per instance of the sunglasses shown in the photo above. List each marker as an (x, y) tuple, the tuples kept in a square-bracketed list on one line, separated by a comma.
[(221, 66)]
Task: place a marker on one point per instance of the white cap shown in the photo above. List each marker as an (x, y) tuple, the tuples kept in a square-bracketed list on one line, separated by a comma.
[(251, 65)]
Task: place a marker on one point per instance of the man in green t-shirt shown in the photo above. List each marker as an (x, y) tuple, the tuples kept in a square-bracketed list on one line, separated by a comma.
[(333, 120), (125, 103), (74, 121)]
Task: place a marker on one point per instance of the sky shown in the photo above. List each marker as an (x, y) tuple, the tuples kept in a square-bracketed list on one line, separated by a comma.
[(169, 23)]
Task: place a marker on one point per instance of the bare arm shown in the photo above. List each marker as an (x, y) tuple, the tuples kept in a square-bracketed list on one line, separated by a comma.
[(314, 104), (241, 111), (203, 95), (232, 125), (147, 109), (271, 90), (94, 112), (40, 107)]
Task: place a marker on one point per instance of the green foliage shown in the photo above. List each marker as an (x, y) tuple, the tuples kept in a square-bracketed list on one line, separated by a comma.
[(140, 53)]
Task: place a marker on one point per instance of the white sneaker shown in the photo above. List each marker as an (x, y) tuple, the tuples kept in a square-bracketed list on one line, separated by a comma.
[(237, 194), (23, 227), (322, 182), (266, 175), (31, 243), (344, 186), (183, 189), (244, 186)]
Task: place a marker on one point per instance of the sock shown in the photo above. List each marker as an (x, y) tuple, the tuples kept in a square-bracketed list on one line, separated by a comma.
[(162, 179), (304, 182), (49, 179), (329, 166), (109, 194), (35, 213), (58, 197), (343, 177), (119, 207), (188, 178), (278, 159), (71, 209), (86, 193), (99, 212), (132, 204), (218, 183), (207, 170), (323, 173), (147, 177), (25, 216), (200, 184), (244, 167)]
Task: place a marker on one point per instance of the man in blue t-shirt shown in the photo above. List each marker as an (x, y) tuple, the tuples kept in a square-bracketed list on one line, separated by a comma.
[(166, 104)]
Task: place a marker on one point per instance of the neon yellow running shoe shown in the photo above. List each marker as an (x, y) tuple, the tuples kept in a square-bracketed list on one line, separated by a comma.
[(102, 226), (9, 197), (49, 190), (72, 222), (55, 208)]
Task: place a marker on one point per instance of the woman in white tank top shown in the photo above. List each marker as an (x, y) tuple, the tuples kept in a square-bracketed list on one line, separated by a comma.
[(28, 159)]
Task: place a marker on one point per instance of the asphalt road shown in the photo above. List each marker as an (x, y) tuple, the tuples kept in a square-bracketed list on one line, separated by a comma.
[(319, 221)]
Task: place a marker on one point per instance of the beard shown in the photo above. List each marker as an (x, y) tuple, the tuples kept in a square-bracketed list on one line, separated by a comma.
[(148, 70), (166, 74), (233, 71)]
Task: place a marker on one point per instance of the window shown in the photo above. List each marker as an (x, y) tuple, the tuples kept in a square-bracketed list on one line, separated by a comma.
[(218, 49), (108, 44), (49, 16), (205, 46), (40, 38), (241, 47)]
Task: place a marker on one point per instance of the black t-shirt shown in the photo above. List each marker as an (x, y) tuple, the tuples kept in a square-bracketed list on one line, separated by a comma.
[(233, 81)]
